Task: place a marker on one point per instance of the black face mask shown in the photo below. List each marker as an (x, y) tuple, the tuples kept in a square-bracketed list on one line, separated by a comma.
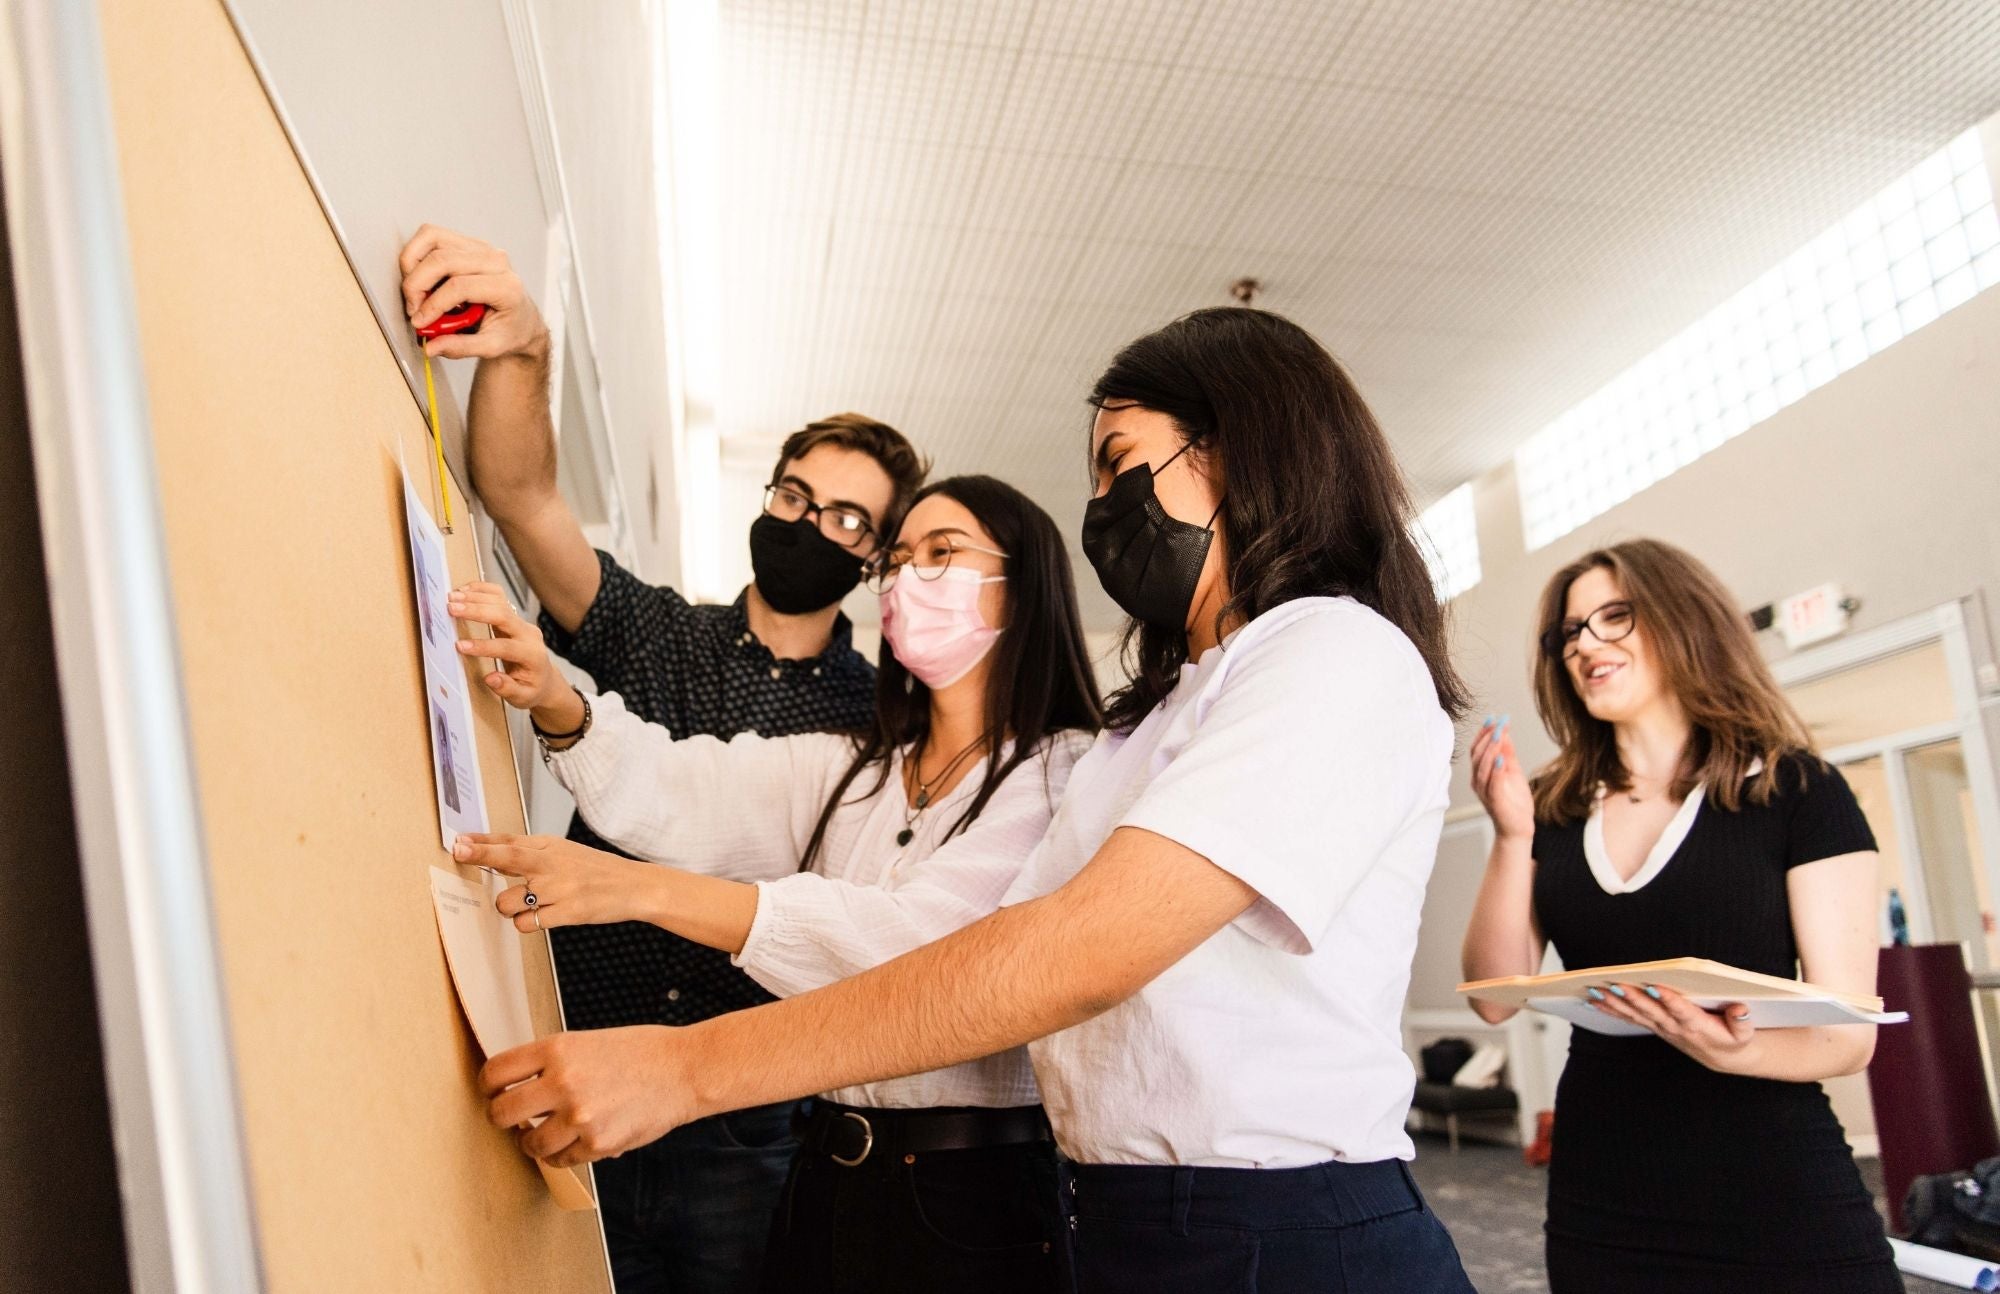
[(797, 568), (1146, 560)]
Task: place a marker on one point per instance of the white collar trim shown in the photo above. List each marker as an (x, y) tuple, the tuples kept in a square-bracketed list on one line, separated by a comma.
[(1663, 849)]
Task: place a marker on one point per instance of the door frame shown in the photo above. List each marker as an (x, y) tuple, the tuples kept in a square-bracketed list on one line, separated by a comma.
[(1959, 628)]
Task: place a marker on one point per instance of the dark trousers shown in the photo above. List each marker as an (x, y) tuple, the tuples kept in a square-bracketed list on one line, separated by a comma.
[(979, 1221), (690, 1213), (1326, 1229)]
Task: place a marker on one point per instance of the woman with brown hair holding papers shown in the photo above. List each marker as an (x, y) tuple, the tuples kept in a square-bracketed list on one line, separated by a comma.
[(1685, 815)]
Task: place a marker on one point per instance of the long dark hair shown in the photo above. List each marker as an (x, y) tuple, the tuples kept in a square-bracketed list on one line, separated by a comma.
[(1708, 661), (1040, 683), (1313, 503)]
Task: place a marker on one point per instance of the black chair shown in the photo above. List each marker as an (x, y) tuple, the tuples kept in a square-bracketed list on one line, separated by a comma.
[(1452, 1102)]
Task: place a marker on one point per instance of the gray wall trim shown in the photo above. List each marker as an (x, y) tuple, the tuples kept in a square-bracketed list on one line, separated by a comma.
[(190, 1228)]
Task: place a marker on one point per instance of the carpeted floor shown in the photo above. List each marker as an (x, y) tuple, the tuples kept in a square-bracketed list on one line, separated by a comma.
[(1493, 1204)]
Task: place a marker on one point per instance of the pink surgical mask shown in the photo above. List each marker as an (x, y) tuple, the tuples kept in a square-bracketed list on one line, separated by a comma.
[(934, 626)]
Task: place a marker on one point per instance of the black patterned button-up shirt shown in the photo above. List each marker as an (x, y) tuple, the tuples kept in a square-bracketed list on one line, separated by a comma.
[(700, 671)]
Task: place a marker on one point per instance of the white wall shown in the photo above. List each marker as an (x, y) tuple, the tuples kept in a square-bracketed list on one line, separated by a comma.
[(597, 63)]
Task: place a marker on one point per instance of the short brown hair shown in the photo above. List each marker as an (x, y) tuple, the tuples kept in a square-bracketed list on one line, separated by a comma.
[(1738, 712), (878, 440)]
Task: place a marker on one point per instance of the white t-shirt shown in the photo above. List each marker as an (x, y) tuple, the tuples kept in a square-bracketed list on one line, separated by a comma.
[(1309, 758), (745, 809)]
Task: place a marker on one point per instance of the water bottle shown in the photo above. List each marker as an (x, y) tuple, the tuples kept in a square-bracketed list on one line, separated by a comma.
[(1899, 925)]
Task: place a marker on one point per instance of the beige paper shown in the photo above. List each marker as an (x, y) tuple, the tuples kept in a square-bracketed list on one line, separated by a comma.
[(1693, 976), (484, 952)]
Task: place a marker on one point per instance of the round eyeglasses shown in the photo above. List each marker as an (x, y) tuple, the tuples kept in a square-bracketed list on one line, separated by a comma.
[(844, 526), (930, 557), (1607, 624)]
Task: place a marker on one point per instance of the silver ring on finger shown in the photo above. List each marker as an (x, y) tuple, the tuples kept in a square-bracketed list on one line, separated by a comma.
[(538, 919)]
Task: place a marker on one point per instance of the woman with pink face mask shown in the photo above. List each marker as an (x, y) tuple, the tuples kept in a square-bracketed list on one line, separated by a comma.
[(811, 858)]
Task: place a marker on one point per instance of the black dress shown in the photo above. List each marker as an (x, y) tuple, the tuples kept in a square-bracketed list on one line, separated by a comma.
[(1666, 1175)]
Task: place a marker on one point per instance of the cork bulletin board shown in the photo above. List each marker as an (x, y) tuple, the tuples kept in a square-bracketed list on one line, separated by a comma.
[(280, 417)]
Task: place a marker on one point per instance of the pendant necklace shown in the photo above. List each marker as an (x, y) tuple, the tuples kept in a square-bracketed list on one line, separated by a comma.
[(923, 796)]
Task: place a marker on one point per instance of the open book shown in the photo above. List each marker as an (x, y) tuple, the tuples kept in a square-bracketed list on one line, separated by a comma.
[(1773, 1003)]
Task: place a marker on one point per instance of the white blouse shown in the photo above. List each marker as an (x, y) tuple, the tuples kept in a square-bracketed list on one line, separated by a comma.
[(745, 809), (1309, 758)]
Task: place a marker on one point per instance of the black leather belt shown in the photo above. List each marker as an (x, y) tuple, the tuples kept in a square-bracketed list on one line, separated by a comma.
[(851, 1135)]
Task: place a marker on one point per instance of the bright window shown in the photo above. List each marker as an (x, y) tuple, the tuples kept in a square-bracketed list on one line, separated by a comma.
[(1449, 536), (1928, 242)]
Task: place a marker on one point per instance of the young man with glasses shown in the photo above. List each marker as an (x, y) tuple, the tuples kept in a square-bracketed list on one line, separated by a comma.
[(688, 1214)]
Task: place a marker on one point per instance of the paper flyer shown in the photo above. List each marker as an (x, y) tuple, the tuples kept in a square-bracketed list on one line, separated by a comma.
[(461, 798), (483, 950)]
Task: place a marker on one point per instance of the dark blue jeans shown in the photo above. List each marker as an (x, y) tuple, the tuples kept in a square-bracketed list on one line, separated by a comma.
[(1326, 1229), (978, 1221), (690, 1214)]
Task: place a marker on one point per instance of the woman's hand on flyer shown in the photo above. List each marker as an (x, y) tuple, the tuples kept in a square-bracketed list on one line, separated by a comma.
[(570, 884), (527, 677)]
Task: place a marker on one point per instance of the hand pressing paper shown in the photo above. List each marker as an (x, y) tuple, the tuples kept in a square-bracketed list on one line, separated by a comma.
[(484, 952)]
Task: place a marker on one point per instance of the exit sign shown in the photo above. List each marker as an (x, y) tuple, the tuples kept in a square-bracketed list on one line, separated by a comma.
[(1813, 616)]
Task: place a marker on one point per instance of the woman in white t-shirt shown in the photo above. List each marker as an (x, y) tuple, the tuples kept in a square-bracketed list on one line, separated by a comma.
[(1208, 950), (818, 856)]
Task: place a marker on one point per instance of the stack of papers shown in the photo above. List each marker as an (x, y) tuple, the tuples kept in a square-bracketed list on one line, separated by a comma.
[(1773, 1003)]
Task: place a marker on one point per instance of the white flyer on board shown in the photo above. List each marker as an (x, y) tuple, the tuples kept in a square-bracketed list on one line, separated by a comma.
[(461, 798)]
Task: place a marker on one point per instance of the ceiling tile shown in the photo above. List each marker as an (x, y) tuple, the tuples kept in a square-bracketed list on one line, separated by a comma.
[(954, 213), (1347, 132), (1069, 104), (1423, 44), (1287, 214), (1220, 119)]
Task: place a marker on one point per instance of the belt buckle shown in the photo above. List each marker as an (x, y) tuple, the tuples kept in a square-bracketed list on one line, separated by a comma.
[(867, 1141)]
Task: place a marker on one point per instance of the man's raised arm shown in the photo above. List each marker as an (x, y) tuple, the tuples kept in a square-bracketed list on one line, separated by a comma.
[(511, 443)]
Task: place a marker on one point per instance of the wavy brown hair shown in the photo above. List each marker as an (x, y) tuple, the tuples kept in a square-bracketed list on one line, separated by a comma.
[(1708, 662), (895, 455)]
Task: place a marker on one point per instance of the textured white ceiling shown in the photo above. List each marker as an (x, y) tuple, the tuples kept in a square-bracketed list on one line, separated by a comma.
[(949, 215)]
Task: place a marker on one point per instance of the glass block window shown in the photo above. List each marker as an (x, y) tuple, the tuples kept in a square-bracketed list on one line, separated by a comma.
[(1448, 532), (1928, 242)]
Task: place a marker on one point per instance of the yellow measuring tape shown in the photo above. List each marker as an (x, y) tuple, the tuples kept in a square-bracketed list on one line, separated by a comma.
[(437, 444)]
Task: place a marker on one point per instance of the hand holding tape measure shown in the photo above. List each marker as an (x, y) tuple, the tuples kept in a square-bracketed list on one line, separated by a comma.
[(464, 301)]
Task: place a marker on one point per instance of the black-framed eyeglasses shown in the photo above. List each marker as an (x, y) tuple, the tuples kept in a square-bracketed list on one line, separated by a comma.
[(844, 526), (1607, 624), (930, 557)]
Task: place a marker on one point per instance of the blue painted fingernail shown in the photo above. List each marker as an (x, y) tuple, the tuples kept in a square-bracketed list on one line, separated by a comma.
[(1616, 991), (1652, 992), (1500, 762), (1488, 724), (1506, 719), (1595, 995)]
